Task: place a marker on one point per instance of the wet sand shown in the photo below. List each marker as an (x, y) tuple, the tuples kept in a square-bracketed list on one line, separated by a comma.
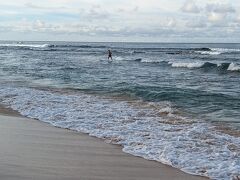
[(31, 149)]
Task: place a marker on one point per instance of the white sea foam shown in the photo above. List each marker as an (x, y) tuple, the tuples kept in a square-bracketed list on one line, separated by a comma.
[(233, 67), (187, 64), (154, 131), (209, 52), (26, 45), (218, 51), (118, 58), (147, 60), (225, 50)]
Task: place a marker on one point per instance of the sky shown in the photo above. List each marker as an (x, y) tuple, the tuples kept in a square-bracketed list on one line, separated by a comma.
[(197, 21)]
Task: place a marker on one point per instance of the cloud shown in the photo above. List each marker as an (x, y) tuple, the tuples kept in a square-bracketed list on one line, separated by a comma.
[(95, 12), (97, 30), (197, 24), (190, 7), (135, 9), (215, 17), (31, 5), (50, 8), (238, 19), (171, 22), (127, 10), (220, 8), (5, 28), (131, 20), (219, 13)]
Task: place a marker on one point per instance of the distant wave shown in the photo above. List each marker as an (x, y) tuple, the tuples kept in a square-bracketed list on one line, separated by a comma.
[(208, 52), (203, 51), (82, 46), (234, 67), (187, 65), (118, 58), (152, 61), (197, 65), (120, 51), (217, 51), (225, 50), (138, 52), (179, 51), (207, 65), (168, 50), (175, 51), (27, 45), (138, 59), (52, 46), (194, 65)]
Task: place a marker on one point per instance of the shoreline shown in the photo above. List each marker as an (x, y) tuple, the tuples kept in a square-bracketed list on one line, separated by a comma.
[(37, 150)]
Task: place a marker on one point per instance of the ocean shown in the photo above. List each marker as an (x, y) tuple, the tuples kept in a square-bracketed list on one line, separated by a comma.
[(178, 104)]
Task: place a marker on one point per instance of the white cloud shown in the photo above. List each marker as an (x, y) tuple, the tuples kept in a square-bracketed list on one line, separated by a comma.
[(215, 17), (124, 19), (95, 12), (190, 7), (34, 26), (220, 8), (199, 23), (171, 22), (220, 15), (238, 18)]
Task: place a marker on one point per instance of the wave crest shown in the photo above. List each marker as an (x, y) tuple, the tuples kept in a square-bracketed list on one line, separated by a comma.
[(216, 51), (27, 45), (187, 65), (207, 65), (233, 67)]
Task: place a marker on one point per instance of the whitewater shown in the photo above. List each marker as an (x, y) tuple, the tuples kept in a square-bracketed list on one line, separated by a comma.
[(172, 103)]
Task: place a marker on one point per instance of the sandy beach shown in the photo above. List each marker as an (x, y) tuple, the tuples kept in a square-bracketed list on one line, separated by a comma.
[(34, 150)]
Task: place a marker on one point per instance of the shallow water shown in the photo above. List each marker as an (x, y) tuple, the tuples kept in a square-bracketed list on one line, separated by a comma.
[(173, 103)]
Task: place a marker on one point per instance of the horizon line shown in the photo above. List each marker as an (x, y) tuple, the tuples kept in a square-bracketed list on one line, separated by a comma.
[(120, 42)]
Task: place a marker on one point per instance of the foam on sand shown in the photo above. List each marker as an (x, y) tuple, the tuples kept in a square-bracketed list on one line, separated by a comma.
[(34, 150)]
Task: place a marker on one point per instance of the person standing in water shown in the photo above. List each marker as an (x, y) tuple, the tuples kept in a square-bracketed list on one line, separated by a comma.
[(109, 54)]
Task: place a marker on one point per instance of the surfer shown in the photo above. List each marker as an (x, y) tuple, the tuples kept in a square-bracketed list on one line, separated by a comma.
[(109, 54)]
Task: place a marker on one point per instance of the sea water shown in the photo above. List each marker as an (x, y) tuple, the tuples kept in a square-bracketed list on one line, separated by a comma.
[(178, 104)]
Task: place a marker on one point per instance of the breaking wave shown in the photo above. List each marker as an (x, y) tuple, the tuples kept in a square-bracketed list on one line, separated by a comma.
[(120, 51), (233, 67), (82, 46), (27, 45), (187, 65), (153, 99), (154, 131), (217, 51), (50, 47), (207, 65), (192, 65), (176, 51)]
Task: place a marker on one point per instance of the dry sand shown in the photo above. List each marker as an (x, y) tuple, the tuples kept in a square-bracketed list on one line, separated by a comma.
[(34, 150)]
